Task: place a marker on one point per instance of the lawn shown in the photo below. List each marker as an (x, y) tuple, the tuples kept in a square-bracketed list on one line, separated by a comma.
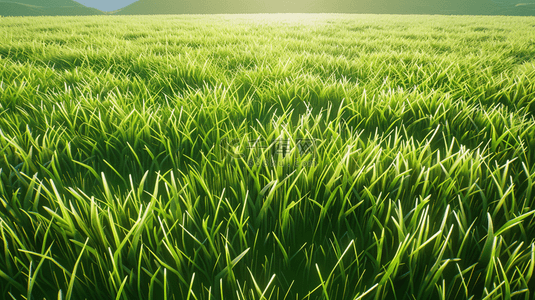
[(267, 157)]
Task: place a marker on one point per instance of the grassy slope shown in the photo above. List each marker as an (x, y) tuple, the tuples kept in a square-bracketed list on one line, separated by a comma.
[(477, 7), (18, 9), (47, 8), (47, 3), (114, 182)]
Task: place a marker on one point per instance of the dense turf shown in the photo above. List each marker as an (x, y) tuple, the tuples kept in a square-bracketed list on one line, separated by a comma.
[(128, 169)]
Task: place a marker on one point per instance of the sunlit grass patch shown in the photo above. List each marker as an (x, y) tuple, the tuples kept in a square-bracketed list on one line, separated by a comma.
[(149, 158)]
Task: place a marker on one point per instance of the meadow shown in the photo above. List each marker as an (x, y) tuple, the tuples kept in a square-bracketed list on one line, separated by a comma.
[(141, 158)]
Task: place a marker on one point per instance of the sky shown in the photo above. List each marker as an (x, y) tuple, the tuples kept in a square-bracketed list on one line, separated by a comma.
[(106, 5)]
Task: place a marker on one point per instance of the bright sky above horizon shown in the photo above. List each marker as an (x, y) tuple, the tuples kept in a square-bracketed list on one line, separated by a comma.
[(106, 5)]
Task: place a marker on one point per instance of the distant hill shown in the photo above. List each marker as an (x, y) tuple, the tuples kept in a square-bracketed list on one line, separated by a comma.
[(18, 9), (148, 7), (523, 9), (459, 7), (45, 8)]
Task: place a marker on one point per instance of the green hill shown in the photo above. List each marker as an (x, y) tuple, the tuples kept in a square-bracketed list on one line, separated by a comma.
[(18, 9), (461, 7), (47, 3), (45, 8), (143, 7)]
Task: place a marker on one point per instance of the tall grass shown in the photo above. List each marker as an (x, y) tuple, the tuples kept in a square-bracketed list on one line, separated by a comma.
[(117, 179)]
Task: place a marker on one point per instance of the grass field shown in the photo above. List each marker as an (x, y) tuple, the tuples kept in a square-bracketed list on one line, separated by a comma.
[(267, 157)]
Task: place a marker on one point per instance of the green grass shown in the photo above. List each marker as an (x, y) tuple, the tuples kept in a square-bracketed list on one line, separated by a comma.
[(114, 181)]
